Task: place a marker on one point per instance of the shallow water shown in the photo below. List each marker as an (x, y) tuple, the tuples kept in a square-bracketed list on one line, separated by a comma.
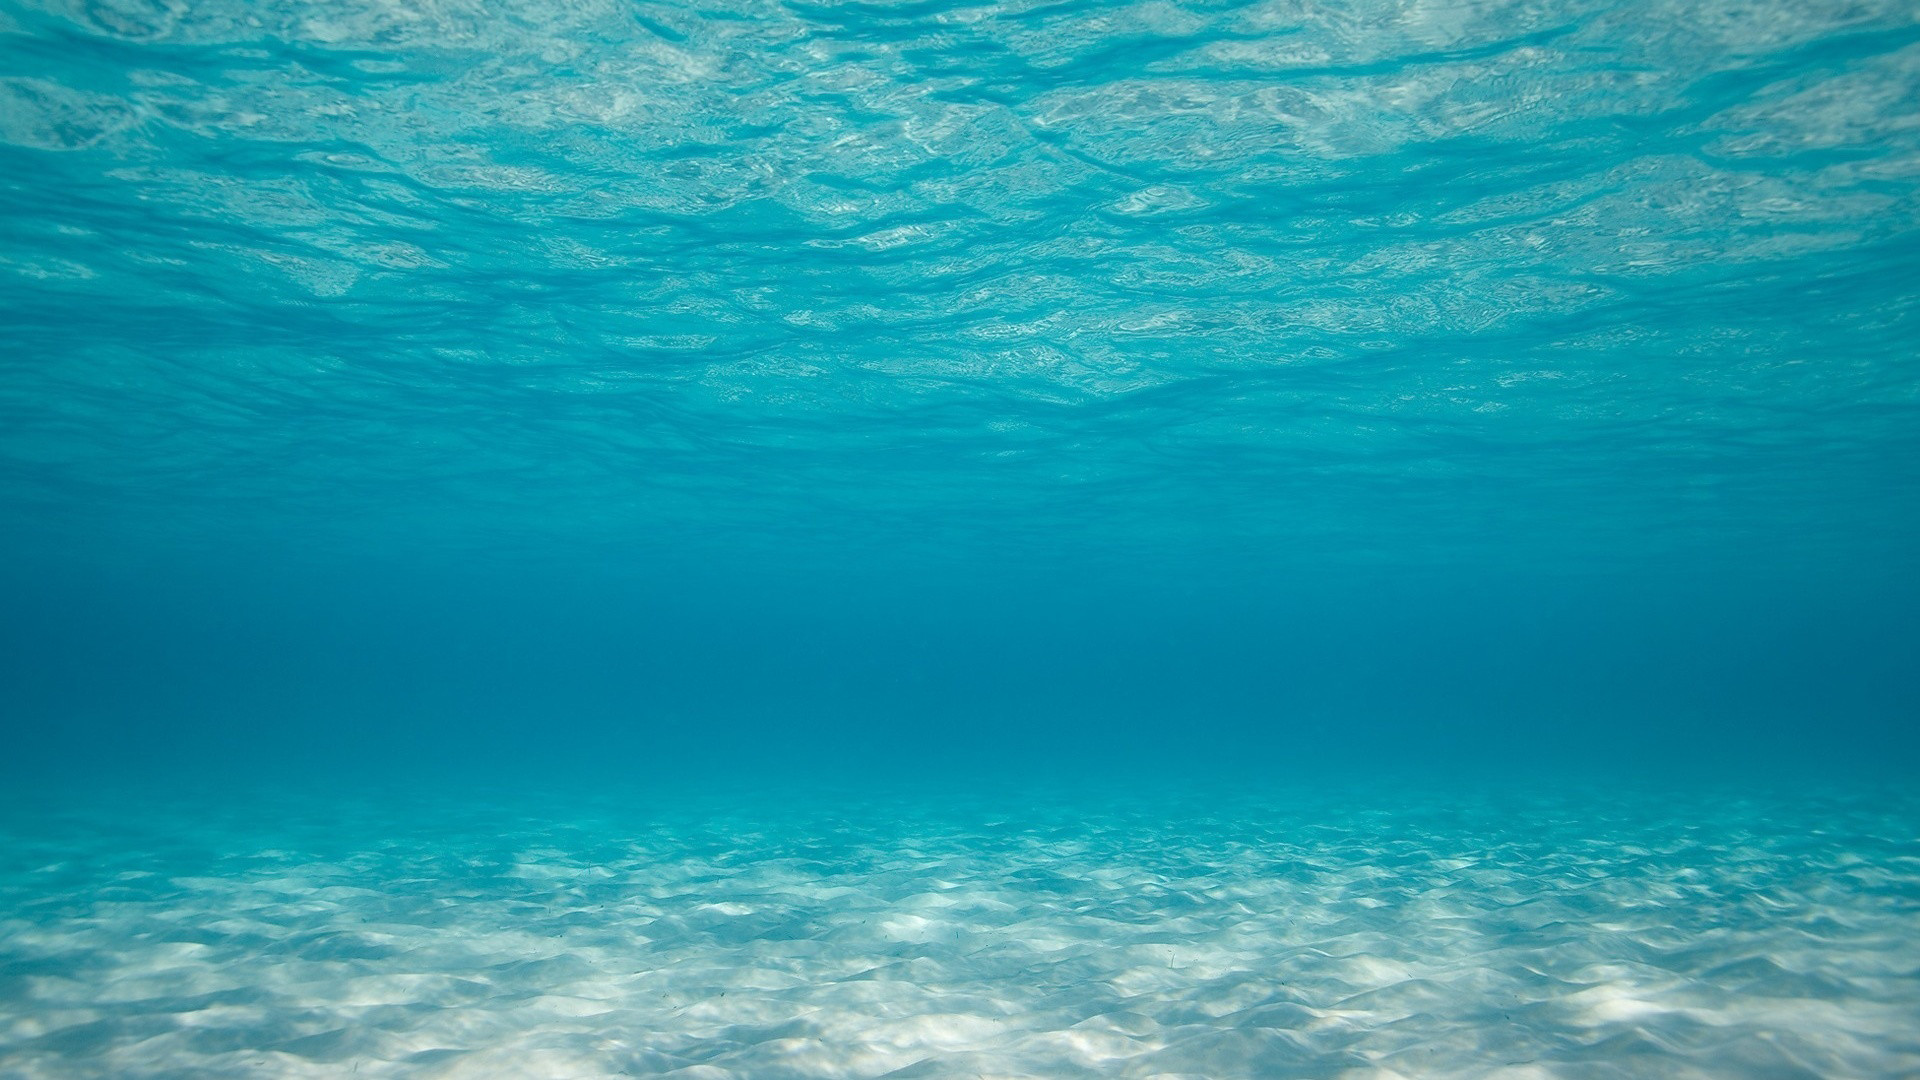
[(1319, 932), (1399, 514), (1150, 286)]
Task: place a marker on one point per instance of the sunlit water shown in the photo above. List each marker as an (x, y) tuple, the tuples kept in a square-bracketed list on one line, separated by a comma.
[(1350, 933), (460, 419), (1565, 282)]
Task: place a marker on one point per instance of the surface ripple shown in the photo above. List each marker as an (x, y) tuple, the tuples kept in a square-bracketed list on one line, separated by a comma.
[(1260, 276)]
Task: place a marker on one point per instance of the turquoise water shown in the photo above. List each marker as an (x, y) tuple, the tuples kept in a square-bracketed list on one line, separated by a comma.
[(1350, 931), (1313, 540)]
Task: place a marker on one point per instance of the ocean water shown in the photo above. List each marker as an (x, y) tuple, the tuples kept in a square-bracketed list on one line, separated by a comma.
[(1349, 932), (854, 539)]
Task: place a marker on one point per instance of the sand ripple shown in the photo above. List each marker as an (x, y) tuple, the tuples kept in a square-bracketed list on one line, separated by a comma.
[(1623, 935)]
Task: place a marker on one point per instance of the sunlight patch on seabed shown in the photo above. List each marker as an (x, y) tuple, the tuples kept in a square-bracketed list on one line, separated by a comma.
[(1630, 935)]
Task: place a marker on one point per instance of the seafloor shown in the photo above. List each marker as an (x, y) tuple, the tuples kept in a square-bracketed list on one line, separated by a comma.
[(1597, 932)]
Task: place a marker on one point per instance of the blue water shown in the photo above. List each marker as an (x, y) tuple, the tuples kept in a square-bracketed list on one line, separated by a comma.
[(1398, 502)]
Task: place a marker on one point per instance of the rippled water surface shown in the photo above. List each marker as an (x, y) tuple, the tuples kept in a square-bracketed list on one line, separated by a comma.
[(482, 400), (1569, 280)]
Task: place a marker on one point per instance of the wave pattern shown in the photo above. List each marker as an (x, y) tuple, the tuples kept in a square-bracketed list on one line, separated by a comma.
[(1628, 935), (1272, 270)]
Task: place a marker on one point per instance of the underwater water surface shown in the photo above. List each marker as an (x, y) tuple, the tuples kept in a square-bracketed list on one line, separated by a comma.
[(849, 539)]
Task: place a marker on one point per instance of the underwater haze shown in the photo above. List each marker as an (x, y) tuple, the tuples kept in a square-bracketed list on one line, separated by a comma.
[(841, 539)]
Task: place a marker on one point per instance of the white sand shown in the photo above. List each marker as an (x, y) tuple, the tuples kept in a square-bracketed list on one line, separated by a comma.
[(1627, 936)]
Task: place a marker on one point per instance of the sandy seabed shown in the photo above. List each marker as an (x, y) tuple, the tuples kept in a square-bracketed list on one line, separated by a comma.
[(1610, 934)]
